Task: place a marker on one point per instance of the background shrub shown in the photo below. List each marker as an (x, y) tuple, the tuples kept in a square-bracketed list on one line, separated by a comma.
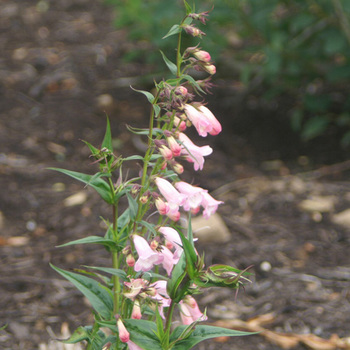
[(297, 49)]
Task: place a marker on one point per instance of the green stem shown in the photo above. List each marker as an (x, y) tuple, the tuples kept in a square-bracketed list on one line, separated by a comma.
[(178, 56), (115, 261), (169, 318), (116, 284)]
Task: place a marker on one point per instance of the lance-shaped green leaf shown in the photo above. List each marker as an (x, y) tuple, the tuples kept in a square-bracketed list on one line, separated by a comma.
[(172, 66), (133, 206), (200, 333), (193, 83), (175, 29), (115, 272), (94, 151), (94, 240), (99, 298), (143, 333), (190, 255), (99, 185), (188, 8), (139, 131), (107, 140)]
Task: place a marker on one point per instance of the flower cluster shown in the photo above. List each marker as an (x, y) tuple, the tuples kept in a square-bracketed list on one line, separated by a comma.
[(178, 112)]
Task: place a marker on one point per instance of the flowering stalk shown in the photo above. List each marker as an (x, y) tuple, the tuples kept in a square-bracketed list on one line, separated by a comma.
[(155, 266)]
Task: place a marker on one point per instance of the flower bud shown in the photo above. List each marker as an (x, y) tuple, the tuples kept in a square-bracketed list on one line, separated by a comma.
[(166, 152), (130, 260), (144, 199), (202, 55), (178, 168), (162, 206), (180, 124), (174, 146), (126, 250), (210, 68), (193, 31), (135, 189), (181, 90)]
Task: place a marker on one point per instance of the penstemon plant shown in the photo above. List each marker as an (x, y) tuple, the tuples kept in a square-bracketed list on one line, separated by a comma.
[(156, 269)]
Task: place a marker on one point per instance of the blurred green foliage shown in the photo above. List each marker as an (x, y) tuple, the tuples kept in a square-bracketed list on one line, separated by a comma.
[(294, 48)]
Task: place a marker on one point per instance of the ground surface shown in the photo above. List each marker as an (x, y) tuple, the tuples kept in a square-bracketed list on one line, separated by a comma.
[(57, 59)]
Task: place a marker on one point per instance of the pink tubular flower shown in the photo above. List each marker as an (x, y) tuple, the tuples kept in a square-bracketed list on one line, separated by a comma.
[(136, 311), (169, 192), (216, 126), (147, 257), (173, 213), (124, 335), (209, 204), (169, 261), (172, 236), (199, 121), (202, 55), (193, 153), (161, 296), (189, 311), (193, 194)]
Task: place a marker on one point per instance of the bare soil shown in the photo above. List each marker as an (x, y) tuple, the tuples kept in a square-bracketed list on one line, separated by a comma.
[(61, 69)]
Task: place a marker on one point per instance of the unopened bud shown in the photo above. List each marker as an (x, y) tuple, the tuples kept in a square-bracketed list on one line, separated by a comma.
[(178, 168), (210, 68), (180, 124), (130, 260), (135, 189), (163, 207), (126, 250), (202, 55), (181, 90), (174, 146), (144, 199), (166, 152), (193, 31)]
